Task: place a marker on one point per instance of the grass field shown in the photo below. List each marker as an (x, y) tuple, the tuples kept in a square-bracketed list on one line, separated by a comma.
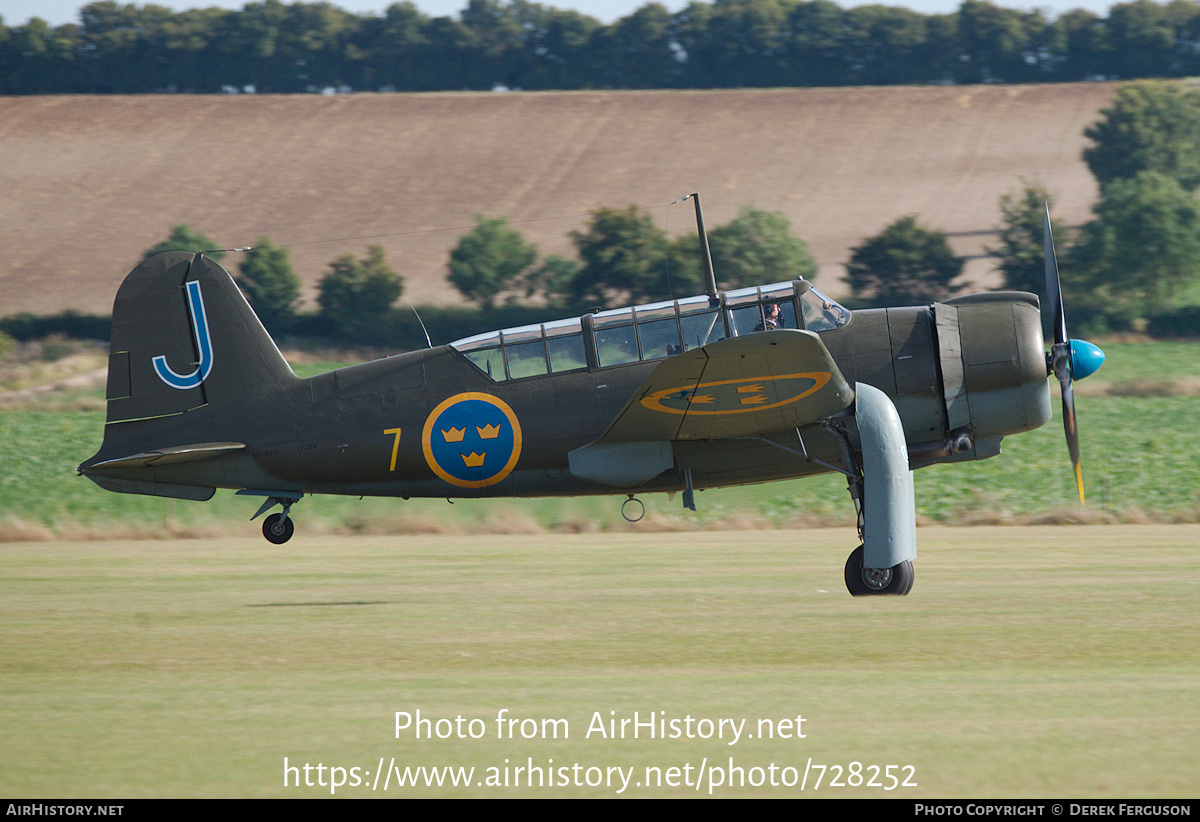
[(1054, 660), (1028, 662)]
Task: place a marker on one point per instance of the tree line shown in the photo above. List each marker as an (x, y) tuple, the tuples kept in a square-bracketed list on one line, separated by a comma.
[(274, 47), (624, 258)]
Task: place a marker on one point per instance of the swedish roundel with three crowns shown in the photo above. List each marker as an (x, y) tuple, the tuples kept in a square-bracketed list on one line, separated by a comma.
[(472, 440)]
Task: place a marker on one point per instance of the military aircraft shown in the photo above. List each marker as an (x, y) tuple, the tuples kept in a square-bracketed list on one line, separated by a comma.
[(745, 386)]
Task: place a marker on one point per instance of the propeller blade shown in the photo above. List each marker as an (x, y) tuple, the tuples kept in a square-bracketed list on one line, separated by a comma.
[(1069, 360), (1053, 286), (1072, 430)]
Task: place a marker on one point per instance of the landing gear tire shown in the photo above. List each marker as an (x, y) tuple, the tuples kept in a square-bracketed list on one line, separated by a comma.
[(860, 581), (277, 529)]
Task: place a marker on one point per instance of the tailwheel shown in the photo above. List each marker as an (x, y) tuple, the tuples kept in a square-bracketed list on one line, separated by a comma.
[(860, 581), (278, 528)]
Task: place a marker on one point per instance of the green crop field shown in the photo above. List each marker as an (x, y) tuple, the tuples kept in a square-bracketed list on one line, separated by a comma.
[(1028, 662), (1138, 460)]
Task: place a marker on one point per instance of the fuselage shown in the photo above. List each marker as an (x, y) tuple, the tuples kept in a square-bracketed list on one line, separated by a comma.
[(499, 414)]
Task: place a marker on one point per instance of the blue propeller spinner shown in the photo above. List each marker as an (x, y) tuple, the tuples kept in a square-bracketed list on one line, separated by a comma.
[(1086, 358)]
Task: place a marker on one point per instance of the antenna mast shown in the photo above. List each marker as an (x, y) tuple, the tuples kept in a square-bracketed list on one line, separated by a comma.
[(710, 279)]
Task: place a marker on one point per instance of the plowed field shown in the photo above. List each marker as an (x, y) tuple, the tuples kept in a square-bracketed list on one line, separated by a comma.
[(91, 182)]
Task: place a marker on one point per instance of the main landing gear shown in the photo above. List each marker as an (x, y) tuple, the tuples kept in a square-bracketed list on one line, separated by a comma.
[(862, 581), (881, 486)]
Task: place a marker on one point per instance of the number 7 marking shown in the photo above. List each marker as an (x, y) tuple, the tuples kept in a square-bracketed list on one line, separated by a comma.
[(395, 446)]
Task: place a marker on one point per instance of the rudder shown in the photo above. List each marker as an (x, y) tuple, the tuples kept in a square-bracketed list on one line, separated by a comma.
[(184, 337)]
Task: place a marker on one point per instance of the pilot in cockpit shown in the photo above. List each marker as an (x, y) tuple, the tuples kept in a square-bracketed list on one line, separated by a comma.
[(772, 319)]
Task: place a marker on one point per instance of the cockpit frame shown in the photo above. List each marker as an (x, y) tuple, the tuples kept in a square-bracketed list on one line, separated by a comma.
[(620, 336)]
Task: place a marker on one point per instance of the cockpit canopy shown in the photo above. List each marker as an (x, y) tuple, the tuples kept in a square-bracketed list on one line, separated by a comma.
[(648, 332)]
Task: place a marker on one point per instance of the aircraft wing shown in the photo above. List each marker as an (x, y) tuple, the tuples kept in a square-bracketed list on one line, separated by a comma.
[(734, 388)]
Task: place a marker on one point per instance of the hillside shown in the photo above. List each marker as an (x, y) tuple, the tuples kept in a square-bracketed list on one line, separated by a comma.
[(91, 182)]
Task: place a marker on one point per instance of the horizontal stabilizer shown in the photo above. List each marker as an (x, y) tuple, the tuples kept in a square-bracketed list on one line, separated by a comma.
[(756, 384), (170, 456)]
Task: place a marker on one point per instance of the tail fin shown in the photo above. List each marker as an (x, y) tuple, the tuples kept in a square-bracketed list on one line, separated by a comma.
[(183, 337)]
